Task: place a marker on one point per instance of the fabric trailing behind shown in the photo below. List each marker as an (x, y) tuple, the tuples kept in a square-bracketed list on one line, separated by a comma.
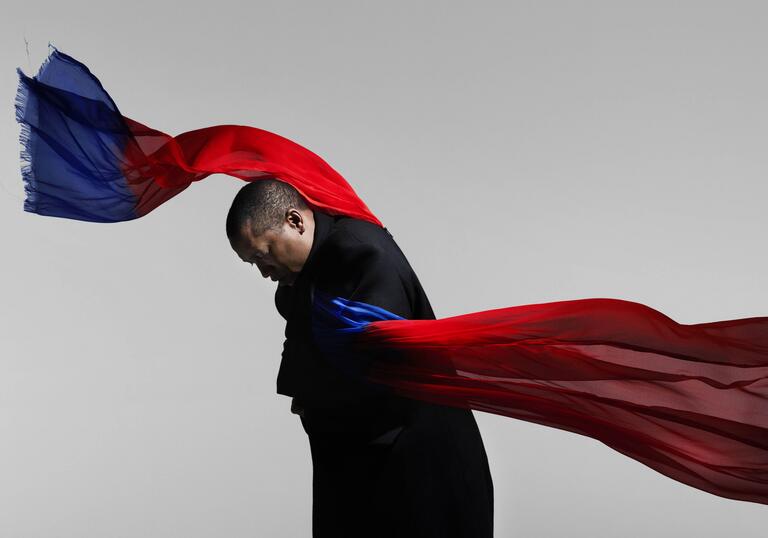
[(84, 160), (690, 401)]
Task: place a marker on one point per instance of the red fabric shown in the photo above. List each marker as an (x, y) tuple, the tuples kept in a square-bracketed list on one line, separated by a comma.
[(159, 166), (690, 401)]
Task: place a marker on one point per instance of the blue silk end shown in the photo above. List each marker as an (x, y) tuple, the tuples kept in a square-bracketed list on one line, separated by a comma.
[(73, 139), (335, 322)]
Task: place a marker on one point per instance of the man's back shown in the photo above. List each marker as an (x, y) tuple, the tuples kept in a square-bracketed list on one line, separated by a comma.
[(381, 463)]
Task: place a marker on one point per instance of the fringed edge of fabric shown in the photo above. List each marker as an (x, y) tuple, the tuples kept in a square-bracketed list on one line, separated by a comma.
[(25, 139), (26, 134)]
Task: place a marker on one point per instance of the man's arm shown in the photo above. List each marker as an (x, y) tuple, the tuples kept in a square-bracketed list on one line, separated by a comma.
[(354, 269)]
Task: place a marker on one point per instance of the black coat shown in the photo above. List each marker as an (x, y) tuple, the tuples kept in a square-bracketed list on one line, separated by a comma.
[(382, 465)]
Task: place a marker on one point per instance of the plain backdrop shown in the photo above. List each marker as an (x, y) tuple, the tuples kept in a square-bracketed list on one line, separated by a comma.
[(519, 152)]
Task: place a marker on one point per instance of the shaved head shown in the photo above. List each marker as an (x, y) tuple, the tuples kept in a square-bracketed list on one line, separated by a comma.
[(270, 225), (262, 205)]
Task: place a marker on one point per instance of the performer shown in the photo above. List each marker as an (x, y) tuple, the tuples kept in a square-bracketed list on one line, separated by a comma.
[(689, 401), (383, 465)]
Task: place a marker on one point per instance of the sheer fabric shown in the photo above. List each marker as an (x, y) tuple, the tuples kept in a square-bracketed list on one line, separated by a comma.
[(84, 160), (690, 401)]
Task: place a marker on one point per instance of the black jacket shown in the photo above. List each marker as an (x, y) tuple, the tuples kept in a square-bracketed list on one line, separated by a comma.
[(357, 260), (383, 465)]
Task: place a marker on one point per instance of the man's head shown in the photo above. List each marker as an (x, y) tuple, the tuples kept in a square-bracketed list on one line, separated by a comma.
[(269, 224)]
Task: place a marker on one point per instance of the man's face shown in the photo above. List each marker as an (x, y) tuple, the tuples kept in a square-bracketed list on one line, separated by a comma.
[(279, 254)]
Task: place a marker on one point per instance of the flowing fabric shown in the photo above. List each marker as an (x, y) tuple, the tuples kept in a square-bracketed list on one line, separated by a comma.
[(690, 401), (83, 160)]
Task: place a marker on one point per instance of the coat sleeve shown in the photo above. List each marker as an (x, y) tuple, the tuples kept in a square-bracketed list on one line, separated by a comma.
[(362, 271)]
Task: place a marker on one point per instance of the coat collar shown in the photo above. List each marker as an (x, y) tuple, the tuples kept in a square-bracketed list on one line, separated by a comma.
[(285, 296), (323, 227)]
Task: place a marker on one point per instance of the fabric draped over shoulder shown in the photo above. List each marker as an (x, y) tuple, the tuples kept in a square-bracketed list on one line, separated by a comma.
[(82, 159), (690, 401)]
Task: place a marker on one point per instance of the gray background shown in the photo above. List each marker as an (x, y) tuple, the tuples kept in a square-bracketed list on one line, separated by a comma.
[(519, 152)]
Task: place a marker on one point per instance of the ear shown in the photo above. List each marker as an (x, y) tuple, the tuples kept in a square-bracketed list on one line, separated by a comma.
[(295, 219)]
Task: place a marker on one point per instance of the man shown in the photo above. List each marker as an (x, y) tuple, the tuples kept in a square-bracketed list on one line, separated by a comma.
[(382, 465)]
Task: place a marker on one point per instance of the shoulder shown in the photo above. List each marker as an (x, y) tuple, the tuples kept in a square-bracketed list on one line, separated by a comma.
[(361, 261), (357, 240), (362, 231), (356, 249), (359, 227)]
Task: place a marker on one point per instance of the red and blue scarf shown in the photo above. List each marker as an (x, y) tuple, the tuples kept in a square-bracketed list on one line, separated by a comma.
[(690, 401)]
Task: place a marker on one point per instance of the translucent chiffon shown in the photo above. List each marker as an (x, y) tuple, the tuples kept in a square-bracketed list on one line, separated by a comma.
[(82, 159), (690, 401)]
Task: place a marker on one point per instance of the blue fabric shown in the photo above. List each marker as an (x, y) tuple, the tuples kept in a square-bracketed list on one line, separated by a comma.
[(335, 322), (72, 137), (335, 315)]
